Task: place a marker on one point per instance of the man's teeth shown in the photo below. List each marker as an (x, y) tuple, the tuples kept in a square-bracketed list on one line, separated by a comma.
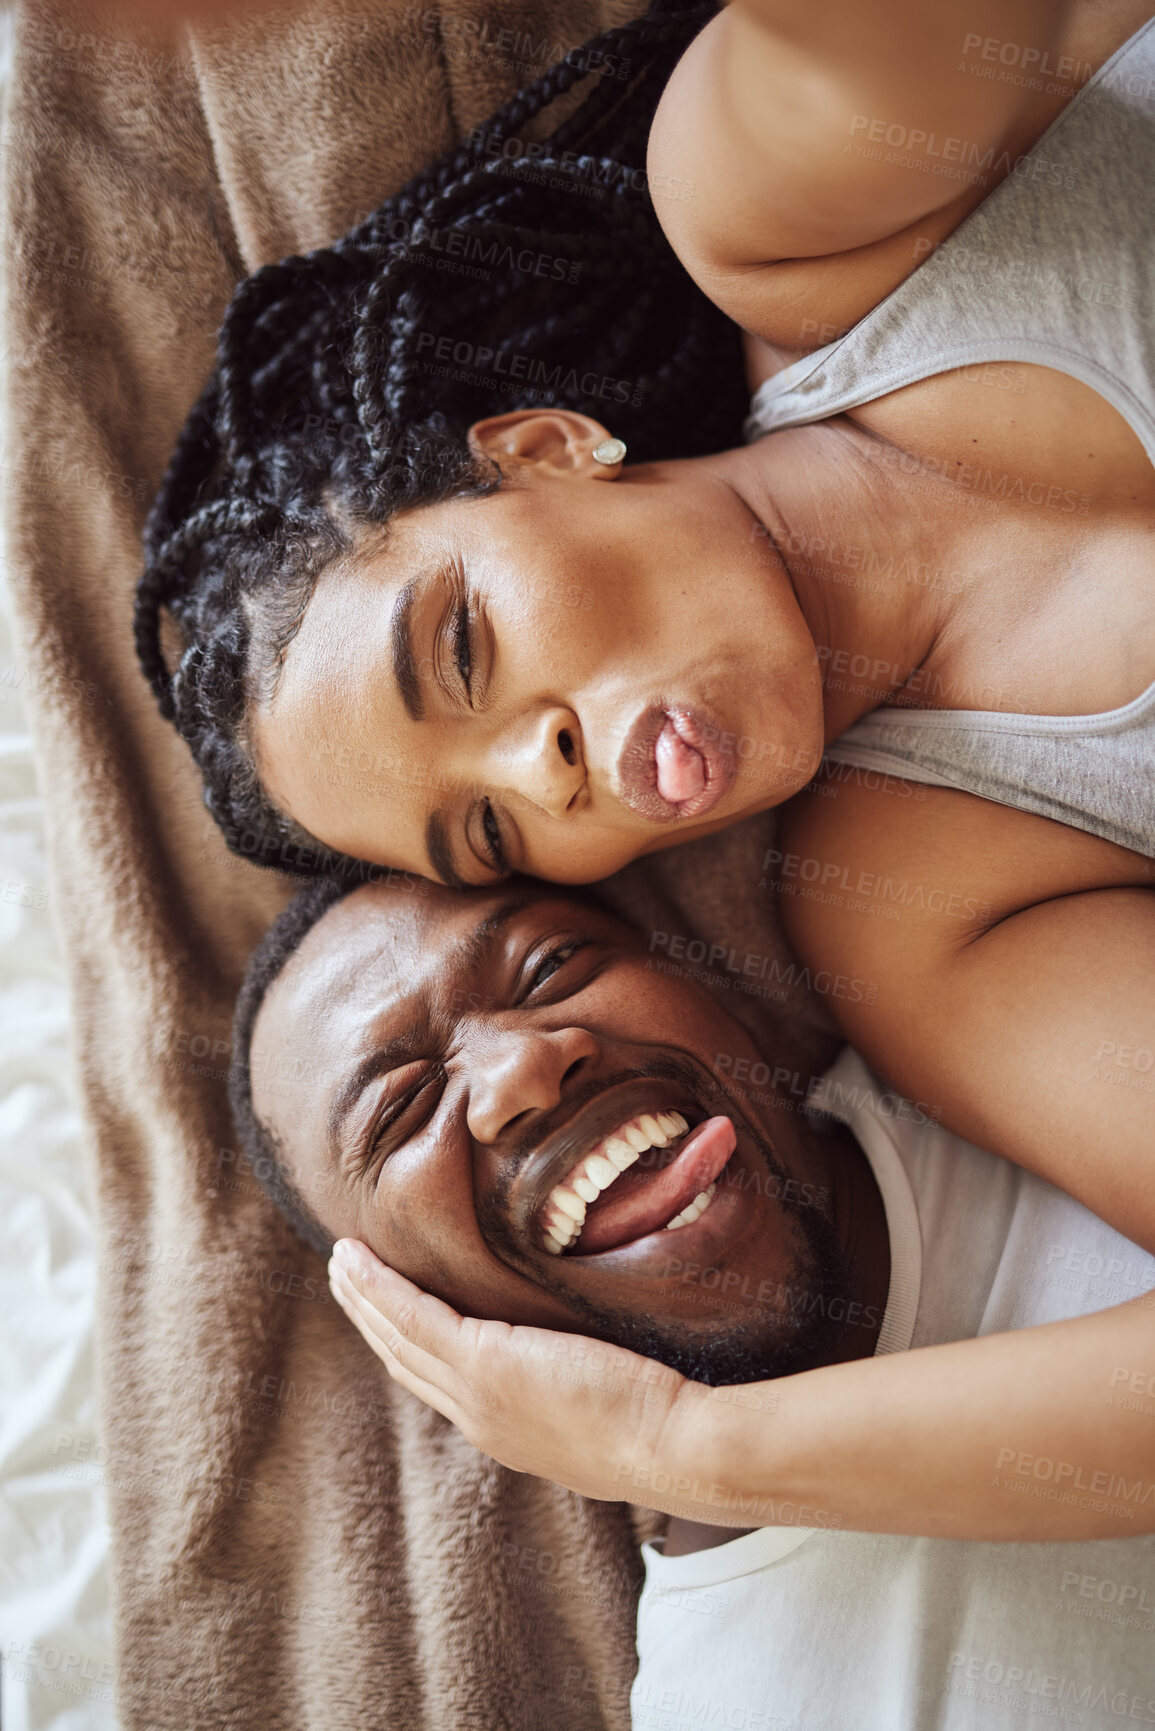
[(693, 1210), (565, 1209)]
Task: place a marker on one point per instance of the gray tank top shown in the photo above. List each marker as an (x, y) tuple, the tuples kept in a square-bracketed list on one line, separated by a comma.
[(1056, 266)]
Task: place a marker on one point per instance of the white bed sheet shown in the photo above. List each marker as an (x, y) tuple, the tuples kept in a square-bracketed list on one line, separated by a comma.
[(57, 1667)]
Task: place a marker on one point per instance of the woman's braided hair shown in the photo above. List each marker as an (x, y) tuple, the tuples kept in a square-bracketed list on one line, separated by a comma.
[(323, 415)]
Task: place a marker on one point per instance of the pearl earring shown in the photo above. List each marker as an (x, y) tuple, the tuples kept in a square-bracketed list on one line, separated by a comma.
[(609, 452)]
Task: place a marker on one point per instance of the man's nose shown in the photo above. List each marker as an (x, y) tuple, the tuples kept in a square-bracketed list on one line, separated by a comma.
[(513, 1071), (541, 758)]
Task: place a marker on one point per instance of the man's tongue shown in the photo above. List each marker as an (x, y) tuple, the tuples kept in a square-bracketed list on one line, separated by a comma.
[(680, 770), (642, 1201)]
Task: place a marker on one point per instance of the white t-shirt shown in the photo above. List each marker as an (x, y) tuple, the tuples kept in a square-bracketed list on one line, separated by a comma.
[(814, 1629)]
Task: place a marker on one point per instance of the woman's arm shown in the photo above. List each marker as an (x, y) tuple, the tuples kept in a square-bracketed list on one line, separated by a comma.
[(1023, 1435), (858, 134), (1012, 964), (1015, 1436)]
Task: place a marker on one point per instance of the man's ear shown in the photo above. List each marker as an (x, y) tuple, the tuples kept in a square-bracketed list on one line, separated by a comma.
[(554, 444)]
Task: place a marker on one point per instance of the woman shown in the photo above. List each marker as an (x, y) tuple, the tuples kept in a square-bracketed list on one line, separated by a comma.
[(684, 689), (464, 642)]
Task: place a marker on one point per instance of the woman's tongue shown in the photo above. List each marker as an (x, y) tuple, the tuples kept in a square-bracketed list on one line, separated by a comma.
[(681, 773)]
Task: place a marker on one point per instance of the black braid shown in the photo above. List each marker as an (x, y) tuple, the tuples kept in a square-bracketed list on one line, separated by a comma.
[(322, 419)]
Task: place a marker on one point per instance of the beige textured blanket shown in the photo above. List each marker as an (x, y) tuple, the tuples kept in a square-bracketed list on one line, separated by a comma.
[(296, 1543)]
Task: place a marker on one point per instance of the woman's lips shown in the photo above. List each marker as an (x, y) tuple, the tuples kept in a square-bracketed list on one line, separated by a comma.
[(674, 764)]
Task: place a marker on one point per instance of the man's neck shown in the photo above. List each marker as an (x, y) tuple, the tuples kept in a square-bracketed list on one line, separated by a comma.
[(859, 1219), (860, 1222), (830, 1157)]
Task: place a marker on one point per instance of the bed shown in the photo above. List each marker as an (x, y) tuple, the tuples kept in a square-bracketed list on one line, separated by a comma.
[(292, 1543)]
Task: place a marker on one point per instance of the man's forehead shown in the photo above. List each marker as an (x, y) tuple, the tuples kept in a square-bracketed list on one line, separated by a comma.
[(396, 939), (384, 940)]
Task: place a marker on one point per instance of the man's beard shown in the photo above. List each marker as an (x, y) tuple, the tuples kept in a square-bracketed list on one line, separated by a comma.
[(790, 1331)]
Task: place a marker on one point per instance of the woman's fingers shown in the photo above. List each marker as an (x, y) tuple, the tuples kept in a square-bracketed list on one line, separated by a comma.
[(417, 1332), (407, 1365), (558, 1405), (369, 1327)]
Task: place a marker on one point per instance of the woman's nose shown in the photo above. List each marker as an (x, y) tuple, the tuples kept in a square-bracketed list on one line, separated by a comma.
[(541, 758), (515, 1071)]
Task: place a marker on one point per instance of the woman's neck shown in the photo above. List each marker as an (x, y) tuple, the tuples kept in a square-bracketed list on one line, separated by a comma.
[(876, 550)]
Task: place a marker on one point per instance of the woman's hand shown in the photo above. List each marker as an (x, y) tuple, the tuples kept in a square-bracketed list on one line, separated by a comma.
[(930, 1442), (595, 1418)]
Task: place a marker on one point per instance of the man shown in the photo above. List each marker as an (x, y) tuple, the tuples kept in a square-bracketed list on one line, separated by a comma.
[(499, 1097)]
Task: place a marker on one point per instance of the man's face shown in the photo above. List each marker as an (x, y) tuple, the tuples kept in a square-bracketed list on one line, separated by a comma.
[(444, 1071)]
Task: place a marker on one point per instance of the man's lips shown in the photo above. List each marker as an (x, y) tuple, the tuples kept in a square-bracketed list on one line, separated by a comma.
[(582, 1135), (643, 1200), (717, 1169), (653, 1170), (673, 764)]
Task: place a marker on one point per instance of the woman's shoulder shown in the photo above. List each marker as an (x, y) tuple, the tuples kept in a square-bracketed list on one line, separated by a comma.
[(789, 234)]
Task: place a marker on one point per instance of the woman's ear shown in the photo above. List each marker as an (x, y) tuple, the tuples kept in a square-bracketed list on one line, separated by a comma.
[(554, 444)]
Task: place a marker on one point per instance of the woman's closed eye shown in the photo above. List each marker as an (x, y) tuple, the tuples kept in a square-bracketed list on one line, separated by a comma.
[(485, 840), (455, 653), (465, 646), (491, 829)]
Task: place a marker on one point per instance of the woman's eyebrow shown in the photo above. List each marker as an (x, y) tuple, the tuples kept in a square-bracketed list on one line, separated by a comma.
[(404, 662)]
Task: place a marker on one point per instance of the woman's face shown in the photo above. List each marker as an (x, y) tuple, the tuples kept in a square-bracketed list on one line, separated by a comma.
[(587, 665)]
